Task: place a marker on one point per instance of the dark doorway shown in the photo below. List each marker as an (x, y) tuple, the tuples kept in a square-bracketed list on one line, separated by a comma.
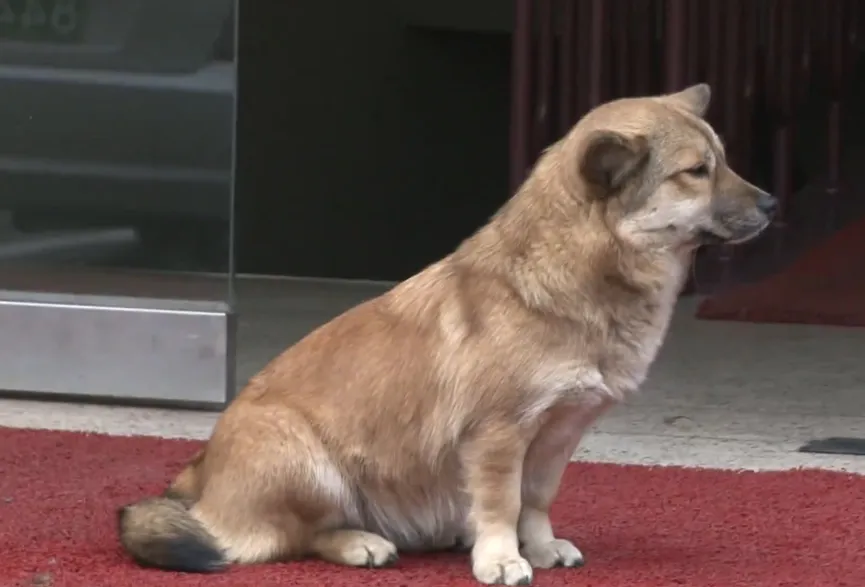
[(367, 148)]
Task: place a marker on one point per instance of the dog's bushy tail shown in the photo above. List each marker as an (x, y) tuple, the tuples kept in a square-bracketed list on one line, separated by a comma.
[(160, 532)]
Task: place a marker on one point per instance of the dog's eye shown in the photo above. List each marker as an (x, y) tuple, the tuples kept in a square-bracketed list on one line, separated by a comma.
[(701, 170)]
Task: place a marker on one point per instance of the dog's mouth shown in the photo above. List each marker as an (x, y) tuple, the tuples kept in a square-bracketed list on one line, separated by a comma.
[(712, 237), (707, 237)]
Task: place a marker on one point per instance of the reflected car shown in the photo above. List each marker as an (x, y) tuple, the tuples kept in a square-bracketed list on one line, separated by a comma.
[(117, 119)]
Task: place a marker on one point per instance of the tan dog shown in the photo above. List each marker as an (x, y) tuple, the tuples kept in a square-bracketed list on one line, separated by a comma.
[(445, 411)]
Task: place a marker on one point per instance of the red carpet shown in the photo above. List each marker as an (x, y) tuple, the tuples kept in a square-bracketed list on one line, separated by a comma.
[(638, 526), (824, 286)]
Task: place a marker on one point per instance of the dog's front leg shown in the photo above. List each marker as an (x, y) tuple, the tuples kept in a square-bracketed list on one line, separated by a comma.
[(546, 459), (493, 462)]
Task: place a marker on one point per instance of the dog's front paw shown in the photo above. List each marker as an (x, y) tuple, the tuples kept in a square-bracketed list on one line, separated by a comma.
[(556, 553), (502, 570)]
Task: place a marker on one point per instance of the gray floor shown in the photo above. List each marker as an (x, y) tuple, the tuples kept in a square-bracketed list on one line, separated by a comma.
[(722, 395)]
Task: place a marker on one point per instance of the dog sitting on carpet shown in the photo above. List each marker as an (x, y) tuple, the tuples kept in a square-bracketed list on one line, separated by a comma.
[(444, 411)]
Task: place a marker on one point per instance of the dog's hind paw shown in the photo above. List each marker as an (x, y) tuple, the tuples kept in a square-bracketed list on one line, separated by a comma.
[(355, 548)]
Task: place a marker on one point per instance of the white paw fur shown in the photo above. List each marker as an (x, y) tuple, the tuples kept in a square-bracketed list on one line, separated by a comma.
[(556, 553), (502, 570), (369, 550)]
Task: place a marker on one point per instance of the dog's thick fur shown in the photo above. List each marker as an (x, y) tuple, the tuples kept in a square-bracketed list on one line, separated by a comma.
[(444, 412)]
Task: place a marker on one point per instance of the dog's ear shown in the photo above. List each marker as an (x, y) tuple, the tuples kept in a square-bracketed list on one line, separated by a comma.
[(611, 158), (694, 99)]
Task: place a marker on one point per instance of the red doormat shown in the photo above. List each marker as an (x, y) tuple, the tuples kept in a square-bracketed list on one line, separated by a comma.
[(824, 286), (638, 526)]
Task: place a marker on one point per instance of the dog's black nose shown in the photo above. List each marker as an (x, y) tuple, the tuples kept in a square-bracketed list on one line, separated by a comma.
[(767, 204)]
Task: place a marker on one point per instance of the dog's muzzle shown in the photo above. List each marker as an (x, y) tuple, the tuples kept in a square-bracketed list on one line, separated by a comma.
[(736, 232), (768, 205)]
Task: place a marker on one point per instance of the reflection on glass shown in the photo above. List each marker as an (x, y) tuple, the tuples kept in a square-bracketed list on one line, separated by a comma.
[(115, 144)]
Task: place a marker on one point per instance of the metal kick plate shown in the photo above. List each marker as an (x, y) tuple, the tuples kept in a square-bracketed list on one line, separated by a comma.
[(128, 349)]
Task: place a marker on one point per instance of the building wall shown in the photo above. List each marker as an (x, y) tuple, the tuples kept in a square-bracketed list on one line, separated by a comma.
[(367, 147)]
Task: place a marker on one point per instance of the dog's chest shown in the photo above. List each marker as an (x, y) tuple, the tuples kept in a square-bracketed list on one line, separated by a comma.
[(634, 339)]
